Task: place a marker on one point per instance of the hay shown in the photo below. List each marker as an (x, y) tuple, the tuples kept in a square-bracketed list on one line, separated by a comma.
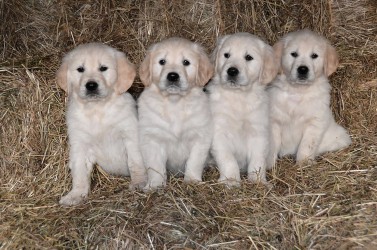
[(330, 205)]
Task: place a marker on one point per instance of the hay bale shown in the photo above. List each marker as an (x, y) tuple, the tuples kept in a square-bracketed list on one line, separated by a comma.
[(329, 205)]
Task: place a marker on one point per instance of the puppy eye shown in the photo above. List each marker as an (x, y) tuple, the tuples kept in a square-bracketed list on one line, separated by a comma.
[(248, 58), (226, 55), (294, 54), (186, 63), (80, 69), (103, 68), (314, 56), (162, 62)]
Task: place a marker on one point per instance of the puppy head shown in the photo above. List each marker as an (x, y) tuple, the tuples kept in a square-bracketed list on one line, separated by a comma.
[(176, 65), (95, 71), (305, 56), (242, 59)]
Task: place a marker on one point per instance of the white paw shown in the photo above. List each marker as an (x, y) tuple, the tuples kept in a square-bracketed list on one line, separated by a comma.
[(306, 162), (255, 177), (152, 186), (134, 185), (191, 179), (230, 182), (73, 198)]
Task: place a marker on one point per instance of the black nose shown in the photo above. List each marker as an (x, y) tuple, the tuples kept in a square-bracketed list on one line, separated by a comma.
[(91, 86), (173, 77), (302, 70), (232, 71)]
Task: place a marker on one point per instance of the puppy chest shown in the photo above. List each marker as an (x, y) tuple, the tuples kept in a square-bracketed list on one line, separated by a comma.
[(180, 120), (287, 106)]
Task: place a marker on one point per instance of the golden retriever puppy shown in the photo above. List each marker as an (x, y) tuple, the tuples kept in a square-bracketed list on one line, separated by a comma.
[(101, 118), (174, 117), (301, 120), (244, 65)]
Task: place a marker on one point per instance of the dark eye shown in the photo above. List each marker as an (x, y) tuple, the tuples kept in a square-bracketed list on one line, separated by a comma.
[(314, 56), (103, 68), (162, 62), (186, 63), (226, 55), (248, 58), (294, 54), (80, 69)]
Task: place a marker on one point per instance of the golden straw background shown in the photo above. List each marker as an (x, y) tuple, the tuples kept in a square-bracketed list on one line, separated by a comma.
[(331, 205)]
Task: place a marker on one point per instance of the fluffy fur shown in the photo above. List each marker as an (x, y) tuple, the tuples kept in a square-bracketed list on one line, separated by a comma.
[(175, 120), (101, 118), (239, 105), (301, 120)]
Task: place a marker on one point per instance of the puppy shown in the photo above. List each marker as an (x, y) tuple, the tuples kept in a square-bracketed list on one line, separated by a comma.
[(175, 119), (301, 120), (101, 118), (244, 64)]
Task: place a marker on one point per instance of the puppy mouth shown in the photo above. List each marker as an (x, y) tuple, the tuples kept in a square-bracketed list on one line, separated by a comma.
[(232, 82), (93, 96), (173, 89), (299, 81)]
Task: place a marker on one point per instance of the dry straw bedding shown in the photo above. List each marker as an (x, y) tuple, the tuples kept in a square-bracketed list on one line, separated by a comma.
[(331, 205)]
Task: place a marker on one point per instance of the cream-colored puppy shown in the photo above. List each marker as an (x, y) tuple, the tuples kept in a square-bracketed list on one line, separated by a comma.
[(101, 118), (175, 120), (239, 105), (301, 120)]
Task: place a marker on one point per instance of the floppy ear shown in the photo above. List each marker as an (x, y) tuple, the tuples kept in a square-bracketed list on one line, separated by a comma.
[(331, 62), (126, 73), (278, 53), (145, 70), (219, 44), (61, 76), (205, 69), (270, 66)]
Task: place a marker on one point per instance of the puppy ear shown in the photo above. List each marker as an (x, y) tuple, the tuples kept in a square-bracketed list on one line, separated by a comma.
[(331, 61), (145, 70), (61, 76), (205, 69), (278, 54), (126, 73), (219, 44), (270, 66)]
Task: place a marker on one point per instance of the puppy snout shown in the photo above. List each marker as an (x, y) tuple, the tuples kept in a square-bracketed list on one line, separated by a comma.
[(232, 71), (91, 86), (173, 77), (302, 70)]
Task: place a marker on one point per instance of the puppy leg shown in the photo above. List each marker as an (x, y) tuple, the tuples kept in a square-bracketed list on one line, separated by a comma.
[(257, 164), (155, 158), (227, 163), (335, 138), (81, 167), (135, 164), (275, 144), (195, 163), (307, 150)]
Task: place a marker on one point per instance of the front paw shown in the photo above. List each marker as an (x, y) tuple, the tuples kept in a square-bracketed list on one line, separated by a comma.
[(305, 162), (73, 198), (138, 182), (136, 185), (153, 186), (255, 178), (230, 182), (192, 179)]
